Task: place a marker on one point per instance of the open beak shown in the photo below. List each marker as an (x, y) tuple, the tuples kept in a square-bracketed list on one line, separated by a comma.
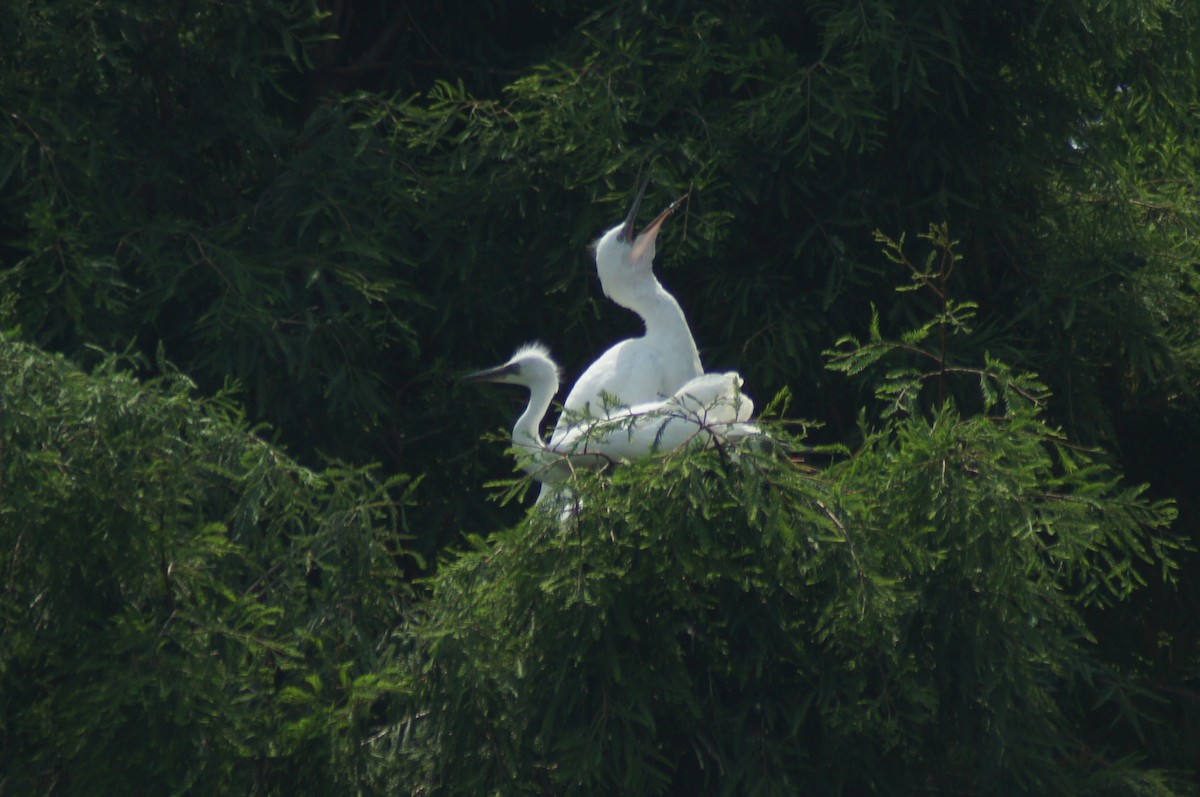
[(646, 239), (628, 228), (496, 374)]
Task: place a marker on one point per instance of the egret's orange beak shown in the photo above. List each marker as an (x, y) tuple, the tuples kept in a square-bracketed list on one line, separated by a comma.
[(646, 239)]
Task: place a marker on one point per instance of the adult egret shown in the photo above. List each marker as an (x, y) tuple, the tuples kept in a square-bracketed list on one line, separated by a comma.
[(636, 370), (707, 409)]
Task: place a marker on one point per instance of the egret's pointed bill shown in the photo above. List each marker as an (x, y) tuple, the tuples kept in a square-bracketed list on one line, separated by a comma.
[(629, 227), (496, 374)]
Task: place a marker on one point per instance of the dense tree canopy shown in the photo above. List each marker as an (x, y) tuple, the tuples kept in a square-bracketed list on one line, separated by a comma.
[(957, 242), (178, 595)]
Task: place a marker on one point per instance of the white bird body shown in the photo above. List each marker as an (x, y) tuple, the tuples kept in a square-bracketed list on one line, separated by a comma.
[(637, 370), (707, 409)]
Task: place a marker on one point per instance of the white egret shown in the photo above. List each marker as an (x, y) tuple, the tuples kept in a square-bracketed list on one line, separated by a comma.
[(532, 367), (636, 370), (707, 409)]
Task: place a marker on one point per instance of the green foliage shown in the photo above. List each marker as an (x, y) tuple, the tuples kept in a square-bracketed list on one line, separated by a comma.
[(332, 207), (728, 622), (159, 192), (911, 618), (354, 205), (184, 609)]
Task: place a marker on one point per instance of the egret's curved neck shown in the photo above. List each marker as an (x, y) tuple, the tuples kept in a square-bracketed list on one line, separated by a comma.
[(526, 434), (660, 312)]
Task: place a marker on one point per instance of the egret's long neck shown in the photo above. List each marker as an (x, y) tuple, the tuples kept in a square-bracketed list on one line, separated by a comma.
[(527, 433), (661, 313)]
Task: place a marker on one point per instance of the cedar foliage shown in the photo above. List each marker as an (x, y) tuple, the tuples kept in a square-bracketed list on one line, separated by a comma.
[(184, 608), (909, 619)]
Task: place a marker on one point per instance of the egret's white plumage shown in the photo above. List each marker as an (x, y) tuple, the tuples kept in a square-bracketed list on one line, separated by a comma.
[(707, 409), (637, 370), (532, 367)]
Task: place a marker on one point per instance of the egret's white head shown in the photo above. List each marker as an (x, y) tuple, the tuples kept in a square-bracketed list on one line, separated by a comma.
[(624, 257), (530, 366)]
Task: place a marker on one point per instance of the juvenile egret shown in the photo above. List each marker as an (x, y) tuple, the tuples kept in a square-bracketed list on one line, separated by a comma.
[(707, 409), (636, 370), (532, 367)]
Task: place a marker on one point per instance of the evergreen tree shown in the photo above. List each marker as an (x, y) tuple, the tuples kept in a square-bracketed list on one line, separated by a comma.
[(184, 609), (909, 619)]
